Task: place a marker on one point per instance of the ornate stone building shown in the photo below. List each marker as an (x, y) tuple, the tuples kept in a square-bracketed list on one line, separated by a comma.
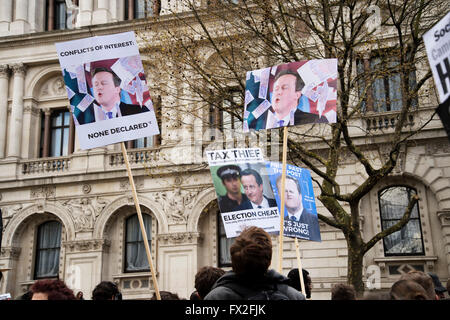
[(69, 213)]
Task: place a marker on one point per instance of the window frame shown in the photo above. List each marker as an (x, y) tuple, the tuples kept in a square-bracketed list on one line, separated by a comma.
[(149, 238), (369, 102), (423, 253), (219, 246), (217, 116), (37, 249)]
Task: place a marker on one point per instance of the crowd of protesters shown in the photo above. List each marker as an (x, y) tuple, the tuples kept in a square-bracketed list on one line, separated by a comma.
[(251, 279)]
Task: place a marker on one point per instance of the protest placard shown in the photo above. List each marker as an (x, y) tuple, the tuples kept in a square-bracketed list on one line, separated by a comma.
[(437, 43), (107, 89), (300, 214), (243, 190), (291, 94)]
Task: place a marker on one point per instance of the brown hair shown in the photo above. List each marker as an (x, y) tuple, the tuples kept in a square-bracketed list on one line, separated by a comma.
[(422, 279), (408, 290), (343, 291), (166, 295), (205, 279), (251, 252), (55, 289)]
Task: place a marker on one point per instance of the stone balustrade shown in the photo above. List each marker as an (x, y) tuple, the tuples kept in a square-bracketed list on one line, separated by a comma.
[(45, 165)]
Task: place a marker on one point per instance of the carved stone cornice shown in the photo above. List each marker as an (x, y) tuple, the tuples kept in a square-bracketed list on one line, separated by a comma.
[(87, 245), (179, 238), (10, 252), (43, 192), (444, 218), (19, 69)]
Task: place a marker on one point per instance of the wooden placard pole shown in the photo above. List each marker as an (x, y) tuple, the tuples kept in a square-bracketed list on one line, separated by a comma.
[(141, 221), (282, 194), (300, 269)]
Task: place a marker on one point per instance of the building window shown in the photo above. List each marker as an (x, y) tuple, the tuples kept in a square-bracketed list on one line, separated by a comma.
[(221, 119), (135, 254), (57, 133), (137, 9), (224, 244), (48, 245), (386, 92), (407, 241)]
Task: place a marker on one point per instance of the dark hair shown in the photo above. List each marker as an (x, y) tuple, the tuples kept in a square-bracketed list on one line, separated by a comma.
[(228, 168), (343, 291), (408, 290), (293, 179), (251, 252), (294, 281), (106, 290), (116, 79), (299, 84), (205, 279), (166, 295), (248, 172), (195, 296), (55, 289), (422, 279)]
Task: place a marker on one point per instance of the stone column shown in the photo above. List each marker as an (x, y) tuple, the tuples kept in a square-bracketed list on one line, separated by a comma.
[(85, 16), (46, 147), (102, 14), (51, 15), (4, 75), (5, 17), (16, 120), (130, 10), (20, 25)]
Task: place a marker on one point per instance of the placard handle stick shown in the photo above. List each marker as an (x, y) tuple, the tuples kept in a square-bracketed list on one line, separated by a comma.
[(283, 181), (300, 269), (141, 221)]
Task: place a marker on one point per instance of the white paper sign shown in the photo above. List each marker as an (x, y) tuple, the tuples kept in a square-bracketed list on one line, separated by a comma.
[(107, 90), (437, 43)]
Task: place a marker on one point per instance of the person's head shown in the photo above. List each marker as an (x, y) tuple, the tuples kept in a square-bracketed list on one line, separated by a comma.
[(79, 295), (166, 295), (106, 290), (287, 88), (51, 290), (438, 287), (195, 296), (230, 176), (422, 279), (293, 194), (376, 295), (106, 85), (294, 281), (251, 253), (253, 185), (343, 291), (408, 290), (205, 279), (26, 296)]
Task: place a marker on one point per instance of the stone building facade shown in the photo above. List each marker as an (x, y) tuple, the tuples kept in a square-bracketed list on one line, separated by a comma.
[(88, 195)]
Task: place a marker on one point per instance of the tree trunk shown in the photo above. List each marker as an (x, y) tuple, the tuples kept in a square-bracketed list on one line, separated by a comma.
[(355, 266)]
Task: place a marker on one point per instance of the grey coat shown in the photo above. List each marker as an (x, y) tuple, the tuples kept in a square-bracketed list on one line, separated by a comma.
[(220, 292)]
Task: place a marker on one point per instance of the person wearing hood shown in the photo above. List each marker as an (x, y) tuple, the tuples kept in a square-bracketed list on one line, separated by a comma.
[(250, 278)]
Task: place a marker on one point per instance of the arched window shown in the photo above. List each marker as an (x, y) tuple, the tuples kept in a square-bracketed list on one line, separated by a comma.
[(135, 255), (48, 245), (224, 256), (407, 241)]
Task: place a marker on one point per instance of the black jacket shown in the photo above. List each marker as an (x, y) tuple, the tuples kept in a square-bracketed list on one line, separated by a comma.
[(220, 292)]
